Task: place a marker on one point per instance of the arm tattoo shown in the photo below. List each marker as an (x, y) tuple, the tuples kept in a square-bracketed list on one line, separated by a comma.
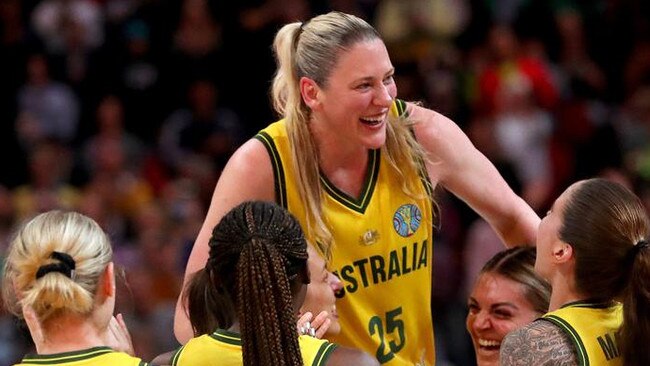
[(538, 343)]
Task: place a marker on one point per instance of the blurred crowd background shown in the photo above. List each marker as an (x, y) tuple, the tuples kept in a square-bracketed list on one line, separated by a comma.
[(127, 110)]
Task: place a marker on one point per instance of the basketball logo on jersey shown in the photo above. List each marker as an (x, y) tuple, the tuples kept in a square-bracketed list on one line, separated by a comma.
[(407, 219)]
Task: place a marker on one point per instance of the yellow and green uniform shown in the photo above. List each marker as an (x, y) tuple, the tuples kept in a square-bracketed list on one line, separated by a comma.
[(223, 348), (96, 356), (592, 328), (382, 252)]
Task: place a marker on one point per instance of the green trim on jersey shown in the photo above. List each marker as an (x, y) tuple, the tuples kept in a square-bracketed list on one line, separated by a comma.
[(278, 171), (592, 328), (359, 205), (589, 305), (227, 337), (74, 357), (401, 108), (66, 356), (323, 354), (581, 351), (224, 348), (177, 355)]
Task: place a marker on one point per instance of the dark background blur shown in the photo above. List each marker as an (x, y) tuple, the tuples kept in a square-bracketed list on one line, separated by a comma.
[(127, 110)]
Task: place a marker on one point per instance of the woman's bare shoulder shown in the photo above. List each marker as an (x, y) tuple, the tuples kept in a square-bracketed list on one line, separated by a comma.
[(538, 343)]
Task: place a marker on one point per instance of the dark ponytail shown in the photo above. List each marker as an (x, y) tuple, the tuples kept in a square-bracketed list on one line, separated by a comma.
[(257, 263), (267, 322), (203, 297), (607, 226), (636, 309)]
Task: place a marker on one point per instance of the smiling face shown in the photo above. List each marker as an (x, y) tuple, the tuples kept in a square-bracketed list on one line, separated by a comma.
[(320, 291), (497, 306), (357, 96)]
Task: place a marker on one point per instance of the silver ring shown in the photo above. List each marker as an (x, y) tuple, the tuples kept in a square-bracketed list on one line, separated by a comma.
[(307, 329)]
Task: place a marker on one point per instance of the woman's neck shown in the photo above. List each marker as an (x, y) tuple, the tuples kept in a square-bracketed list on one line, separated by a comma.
[(235, 327), (67, 333), (564, 292), (334, 149)]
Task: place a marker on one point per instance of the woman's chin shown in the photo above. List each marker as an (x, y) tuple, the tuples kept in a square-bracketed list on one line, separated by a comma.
[(333, 330), (487, 356)]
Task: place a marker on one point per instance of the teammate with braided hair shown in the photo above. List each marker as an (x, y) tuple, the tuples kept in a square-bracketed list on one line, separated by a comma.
[(60, 278), (253, 284)]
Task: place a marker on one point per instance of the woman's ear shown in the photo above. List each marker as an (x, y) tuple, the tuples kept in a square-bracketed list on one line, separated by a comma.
[(562, 252), (309, 91), (34, 326), (106, 286)]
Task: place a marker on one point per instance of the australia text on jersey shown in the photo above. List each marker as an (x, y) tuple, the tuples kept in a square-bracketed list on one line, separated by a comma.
[(378, 269)]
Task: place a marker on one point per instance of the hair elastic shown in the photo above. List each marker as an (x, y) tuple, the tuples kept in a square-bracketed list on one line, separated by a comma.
[(636, 248), (66, 266)]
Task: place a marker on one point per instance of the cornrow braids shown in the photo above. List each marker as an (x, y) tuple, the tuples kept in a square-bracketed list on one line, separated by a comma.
[(263, 245)]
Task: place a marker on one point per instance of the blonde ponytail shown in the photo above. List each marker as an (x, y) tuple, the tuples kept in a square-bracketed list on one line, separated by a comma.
[(37, 273)]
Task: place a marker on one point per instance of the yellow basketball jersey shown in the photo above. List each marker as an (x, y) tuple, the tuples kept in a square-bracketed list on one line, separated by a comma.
[(382, 252), (592, 329), (223, 348), (96, 356)]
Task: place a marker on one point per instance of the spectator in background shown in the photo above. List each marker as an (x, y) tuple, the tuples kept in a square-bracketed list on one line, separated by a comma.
[(508, 62), (523, 131), (415, 29), (109, 121), (203, 128), (48, 187), (196, 49), (72, 30), (633, 127), (47, 109), (139, 81), (123, 189), (56, 20)]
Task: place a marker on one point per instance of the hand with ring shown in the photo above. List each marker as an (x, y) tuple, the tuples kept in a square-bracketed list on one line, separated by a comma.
[(315, 328)]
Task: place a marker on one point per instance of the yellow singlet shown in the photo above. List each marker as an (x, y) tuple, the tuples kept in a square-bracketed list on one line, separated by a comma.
[(223, 348), (592, 329), (96, 356), (382, 252)]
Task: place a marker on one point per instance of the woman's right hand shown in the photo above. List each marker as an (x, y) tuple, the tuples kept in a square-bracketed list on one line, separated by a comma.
[(118, 337), (316, 327)]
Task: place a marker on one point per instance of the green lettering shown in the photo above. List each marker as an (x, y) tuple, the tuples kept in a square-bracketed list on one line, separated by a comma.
[(405, 268), (415, 255), (346, 276), (393, 266), (423, 255), (377, 267), (608, 346), (360, 264)]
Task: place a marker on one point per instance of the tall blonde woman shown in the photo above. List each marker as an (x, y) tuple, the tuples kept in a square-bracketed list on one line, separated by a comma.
[(357, 167), (59, 276)]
